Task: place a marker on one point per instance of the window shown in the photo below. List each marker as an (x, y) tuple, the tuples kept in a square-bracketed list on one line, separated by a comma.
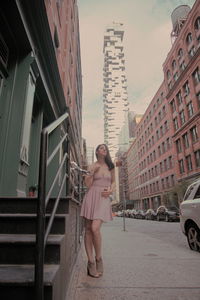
[(190, 109), (182, 117), (194, 134), (175, 123), (198, 99), (168, 143), (172, 180), (197, 24), (160, 167), (181, 166), (196, 76), (170, 85), (192, 52), (179, 98), (163, 147), (162, 182), (170, 162), (189, 38), (165, 165), (161, 131), (168, 74), (173, 105), (174, 64), (185, 140), (167, 181), (189, 162), (176, 76), (157, 134), (180, 53), (182, 66), (166, 126), (186, 89), (178, 146), (197, 158), (159, 151)]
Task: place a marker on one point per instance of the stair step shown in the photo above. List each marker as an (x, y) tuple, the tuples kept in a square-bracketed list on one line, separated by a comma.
[(29, 205), (20, 248), (26, 223), (17, 281)]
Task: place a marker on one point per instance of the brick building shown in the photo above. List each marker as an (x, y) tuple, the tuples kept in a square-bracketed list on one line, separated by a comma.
[(167, 142), (182, 80)]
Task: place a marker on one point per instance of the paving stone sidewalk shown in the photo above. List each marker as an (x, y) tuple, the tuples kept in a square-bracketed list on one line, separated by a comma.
[(137, 266)]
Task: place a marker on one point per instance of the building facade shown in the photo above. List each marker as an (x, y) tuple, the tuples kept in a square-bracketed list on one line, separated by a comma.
[(168, 136), (115, 85), (182, 80), (40, 134)]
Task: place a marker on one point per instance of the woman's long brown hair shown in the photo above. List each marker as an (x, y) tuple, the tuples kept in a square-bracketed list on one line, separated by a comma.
[(108, 159)]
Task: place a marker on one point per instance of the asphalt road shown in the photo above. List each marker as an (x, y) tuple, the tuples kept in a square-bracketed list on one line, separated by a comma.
[(151, 260)]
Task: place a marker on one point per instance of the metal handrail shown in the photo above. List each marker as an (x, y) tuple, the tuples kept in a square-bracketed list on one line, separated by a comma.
[(41, 233)]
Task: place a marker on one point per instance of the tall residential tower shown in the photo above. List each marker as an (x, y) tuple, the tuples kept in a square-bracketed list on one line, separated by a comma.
[(115, 86)]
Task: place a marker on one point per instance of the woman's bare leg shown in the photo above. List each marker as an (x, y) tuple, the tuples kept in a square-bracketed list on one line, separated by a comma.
[(96, 234), (88, 240)]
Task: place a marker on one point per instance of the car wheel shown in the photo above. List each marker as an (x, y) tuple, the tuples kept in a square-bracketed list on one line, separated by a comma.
[(167, 218), (193, 237)]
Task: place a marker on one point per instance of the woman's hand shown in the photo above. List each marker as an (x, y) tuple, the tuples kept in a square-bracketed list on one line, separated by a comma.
[(106, 193), (94, 169)]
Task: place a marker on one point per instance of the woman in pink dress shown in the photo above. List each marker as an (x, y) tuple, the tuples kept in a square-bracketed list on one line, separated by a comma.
[(96, 207)]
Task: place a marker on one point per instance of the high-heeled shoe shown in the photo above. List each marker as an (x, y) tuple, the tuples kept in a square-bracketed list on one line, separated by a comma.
[(91, 269), (99, 266)]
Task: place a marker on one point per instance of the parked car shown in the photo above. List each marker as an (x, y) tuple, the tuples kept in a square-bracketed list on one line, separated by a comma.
[(167, 213), (190, 215), (133, 213), (140, 214), (119, 213), (150, 214)]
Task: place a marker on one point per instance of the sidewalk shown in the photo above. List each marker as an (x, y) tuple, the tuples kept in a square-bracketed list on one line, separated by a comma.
[(137, 266)]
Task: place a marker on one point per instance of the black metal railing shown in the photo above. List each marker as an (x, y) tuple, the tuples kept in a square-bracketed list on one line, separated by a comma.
[(42, 231)]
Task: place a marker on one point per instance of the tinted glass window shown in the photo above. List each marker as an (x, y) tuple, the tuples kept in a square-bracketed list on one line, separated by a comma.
[(197, 195), (189, 192)]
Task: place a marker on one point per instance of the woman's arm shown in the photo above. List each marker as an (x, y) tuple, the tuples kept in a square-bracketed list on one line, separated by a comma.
[(112, 187), (92, 170)]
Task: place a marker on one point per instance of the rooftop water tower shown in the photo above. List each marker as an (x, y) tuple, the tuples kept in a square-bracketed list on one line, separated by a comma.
[(178, 17)]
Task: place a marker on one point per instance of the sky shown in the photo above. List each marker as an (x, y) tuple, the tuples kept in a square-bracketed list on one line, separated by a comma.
[(147, 41)]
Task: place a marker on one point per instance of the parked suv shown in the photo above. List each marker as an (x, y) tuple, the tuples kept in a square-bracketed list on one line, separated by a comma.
[(190, 215)]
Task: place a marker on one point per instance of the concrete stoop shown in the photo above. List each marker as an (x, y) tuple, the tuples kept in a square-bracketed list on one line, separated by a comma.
[(17, 249)]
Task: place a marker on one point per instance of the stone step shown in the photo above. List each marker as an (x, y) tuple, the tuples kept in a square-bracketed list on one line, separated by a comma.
[(20, 249), (17, 282), (29, 205), (26, 223)]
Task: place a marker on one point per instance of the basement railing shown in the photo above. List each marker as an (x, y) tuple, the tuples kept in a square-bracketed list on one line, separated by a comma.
[(42, 231)]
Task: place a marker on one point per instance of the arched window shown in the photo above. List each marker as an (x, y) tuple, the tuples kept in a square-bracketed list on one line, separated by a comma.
[(173, 64), (180, 53), (189, 38), (168, 74), (197, 24)]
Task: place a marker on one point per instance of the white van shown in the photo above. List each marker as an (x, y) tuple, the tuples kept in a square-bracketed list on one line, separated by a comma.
[(190, 215)]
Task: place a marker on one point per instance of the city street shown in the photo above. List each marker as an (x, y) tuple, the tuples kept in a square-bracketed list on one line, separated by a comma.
[(151, 260)]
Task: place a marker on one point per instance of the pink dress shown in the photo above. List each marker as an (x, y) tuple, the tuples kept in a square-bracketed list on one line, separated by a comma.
[(95, 206)]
